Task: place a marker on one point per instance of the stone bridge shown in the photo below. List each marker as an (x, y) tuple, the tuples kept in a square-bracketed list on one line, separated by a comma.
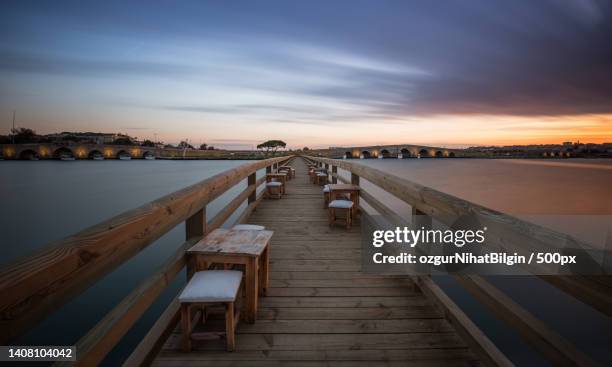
[(393, 151), (78, 151)]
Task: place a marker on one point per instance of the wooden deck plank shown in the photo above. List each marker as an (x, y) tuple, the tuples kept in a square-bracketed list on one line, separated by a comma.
[(321, 309)]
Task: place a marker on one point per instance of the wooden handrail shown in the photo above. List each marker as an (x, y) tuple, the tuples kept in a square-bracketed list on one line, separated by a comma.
[(38, 284), (593, 290), (551, 345)]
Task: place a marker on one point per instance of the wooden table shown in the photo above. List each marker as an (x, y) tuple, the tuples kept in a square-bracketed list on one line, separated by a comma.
[(352, 190), (246, 247), (281, 176)]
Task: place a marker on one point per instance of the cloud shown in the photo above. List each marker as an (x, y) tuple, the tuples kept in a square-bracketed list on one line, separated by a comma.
[(352, 63), (23, 62)]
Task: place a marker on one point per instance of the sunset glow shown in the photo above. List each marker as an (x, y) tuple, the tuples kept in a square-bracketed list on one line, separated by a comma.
[(457, 76)]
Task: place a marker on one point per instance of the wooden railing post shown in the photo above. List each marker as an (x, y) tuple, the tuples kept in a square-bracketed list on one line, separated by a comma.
[(354, 179), (334, 174), (195, 226), (251, 181), (269, 169)]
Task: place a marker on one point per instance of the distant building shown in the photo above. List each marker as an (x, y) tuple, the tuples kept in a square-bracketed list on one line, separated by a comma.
[(96, 138)]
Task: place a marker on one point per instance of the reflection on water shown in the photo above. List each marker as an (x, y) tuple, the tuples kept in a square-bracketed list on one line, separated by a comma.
[(514, 186)]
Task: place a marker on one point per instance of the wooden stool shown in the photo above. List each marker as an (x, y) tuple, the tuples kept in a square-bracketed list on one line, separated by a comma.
[(321, 178), (274, 188), (287, 170), (206, 288), (342, 205), (326, 194)]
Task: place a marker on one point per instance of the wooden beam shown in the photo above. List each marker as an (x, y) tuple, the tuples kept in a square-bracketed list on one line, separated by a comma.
[(195, 226), (551, 345), (230, 208), (251, 182), (250, 208), (382, 209), (155, 338), (102, 338), (477, 340)]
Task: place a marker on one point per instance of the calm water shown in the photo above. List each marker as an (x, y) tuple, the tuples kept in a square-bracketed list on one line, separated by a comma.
[(45, 201)]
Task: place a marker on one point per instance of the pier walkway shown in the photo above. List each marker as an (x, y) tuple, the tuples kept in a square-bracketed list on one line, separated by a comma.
[(321, 310)]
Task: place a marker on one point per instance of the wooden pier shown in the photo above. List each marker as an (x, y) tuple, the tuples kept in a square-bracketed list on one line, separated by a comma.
[(321, 308)]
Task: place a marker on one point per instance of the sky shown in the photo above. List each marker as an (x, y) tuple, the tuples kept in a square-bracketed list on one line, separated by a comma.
[(312, 73)]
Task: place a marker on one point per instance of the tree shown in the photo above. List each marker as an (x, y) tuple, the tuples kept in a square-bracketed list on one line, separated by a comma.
[(24, 135), (203, 146), (305, 149), (70, 137), (211, 148), (183, 144), (123, 141), (272, 145), (148, 143)]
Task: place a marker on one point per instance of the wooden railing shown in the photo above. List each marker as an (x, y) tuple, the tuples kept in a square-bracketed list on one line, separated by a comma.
[(428, 204), (36, 285)]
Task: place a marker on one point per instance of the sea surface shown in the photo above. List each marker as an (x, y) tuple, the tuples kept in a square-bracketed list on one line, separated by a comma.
[(45, 201)]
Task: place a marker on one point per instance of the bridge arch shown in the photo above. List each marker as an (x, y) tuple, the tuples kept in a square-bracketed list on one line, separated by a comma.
[(451, 155), (62, 151), (28, 154), (122, 153), (95, 153), (405, 153), (148, 153), (423, 153), (385, 153), (348, 155), (366, 154), (439, 154)]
